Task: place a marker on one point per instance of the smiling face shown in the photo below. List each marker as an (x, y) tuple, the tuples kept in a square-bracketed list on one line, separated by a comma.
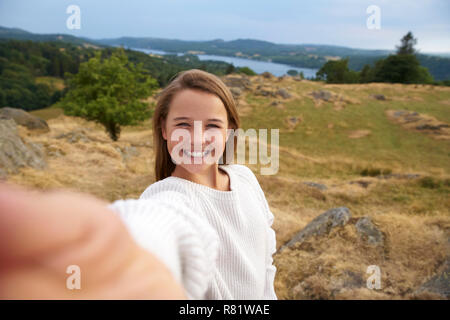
[(195, 130)]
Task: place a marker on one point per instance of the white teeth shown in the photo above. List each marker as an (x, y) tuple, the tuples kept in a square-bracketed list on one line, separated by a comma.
[(196, 154)]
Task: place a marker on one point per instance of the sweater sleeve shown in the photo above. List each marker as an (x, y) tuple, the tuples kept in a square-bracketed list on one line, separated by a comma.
[(176, 235), (269, 291), (271, 242)]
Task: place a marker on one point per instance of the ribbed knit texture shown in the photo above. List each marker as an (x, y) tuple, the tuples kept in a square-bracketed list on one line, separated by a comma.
[(217, 244)]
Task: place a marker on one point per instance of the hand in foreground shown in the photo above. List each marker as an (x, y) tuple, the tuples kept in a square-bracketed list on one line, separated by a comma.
[(43, 233)]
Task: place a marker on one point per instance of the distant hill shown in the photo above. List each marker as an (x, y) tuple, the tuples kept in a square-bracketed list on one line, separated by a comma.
[(297, 55), (19, 34), (301, 55)]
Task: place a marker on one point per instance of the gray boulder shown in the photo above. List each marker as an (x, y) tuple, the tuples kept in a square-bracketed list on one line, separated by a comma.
[(128, 152), (23, 118), (267, 75), (439, 283), (283, 93), (316, 185), (322, 95), (369, 232), (236, 92), (237, 81), (380, 97), (74, 136), (15, 153), (321, 225)]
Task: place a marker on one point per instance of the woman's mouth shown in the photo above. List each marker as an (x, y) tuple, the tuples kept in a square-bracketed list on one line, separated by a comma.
[(196, 154)]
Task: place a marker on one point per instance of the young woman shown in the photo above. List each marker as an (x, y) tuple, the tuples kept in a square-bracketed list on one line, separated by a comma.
[(205, 219)]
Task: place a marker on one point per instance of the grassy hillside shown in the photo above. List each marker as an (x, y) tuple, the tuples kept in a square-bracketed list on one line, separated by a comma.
[(370, 163)]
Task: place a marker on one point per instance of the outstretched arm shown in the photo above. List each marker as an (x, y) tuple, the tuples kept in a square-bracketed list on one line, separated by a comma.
[(43, 233), (166, 225)]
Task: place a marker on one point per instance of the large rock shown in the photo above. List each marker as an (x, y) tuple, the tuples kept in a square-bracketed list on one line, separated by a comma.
[(369, 232), (237, 81), (283, 93), (14, 153), (321, 225), (265, 91), (439, 283), (322, 95), (267, 75), (380, 97), (316, 185), (128, 152), (74, 136), (23, 118), (236, 92)]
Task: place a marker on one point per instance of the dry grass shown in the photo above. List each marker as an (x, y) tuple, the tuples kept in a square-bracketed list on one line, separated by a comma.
[(94, 167)]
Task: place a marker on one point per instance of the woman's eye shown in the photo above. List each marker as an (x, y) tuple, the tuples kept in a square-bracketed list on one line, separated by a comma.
[(187, 124)]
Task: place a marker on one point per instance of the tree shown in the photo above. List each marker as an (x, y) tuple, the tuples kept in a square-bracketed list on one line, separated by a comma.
[(230, 69), (366, 74), (337, 72), (246, 70), (403, 67), (407, 44), (292, 72), (108, 91)]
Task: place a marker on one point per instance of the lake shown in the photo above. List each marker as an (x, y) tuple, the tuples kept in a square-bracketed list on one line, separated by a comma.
[(277, 69)]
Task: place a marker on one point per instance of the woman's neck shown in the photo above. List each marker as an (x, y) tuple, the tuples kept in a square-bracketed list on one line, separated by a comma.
[(212, 177)]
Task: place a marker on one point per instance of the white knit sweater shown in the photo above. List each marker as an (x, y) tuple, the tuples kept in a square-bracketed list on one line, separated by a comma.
[(217, 244)]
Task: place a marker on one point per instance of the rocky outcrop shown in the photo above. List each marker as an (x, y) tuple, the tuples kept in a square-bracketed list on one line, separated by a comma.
[(128, 152), (420, 122), (283, 93), (316, 185), (15, 153), (293, 122), (380, 97), (236, 92), (322, 95), (268, 91), (74, 136), (237, 81), (321, 225), (23, 118), (439, 283), (267, 75), (369, 232)]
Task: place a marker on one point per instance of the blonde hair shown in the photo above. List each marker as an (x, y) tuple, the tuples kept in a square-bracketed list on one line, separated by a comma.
[(190, 79)]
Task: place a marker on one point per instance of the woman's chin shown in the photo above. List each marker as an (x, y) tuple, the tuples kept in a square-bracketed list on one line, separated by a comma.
[(194, 167)]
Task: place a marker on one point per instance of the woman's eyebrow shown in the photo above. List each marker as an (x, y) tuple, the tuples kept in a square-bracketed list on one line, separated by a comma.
[(187, 118)]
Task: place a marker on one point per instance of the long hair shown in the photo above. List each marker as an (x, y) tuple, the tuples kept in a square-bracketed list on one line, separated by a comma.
[(190, 79)]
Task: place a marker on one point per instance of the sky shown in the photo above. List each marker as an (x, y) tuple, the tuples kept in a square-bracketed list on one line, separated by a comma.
[(333, 22)]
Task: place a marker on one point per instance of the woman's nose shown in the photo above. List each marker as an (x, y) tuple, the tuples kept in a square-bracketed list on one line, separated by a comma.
[(199, 138)]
